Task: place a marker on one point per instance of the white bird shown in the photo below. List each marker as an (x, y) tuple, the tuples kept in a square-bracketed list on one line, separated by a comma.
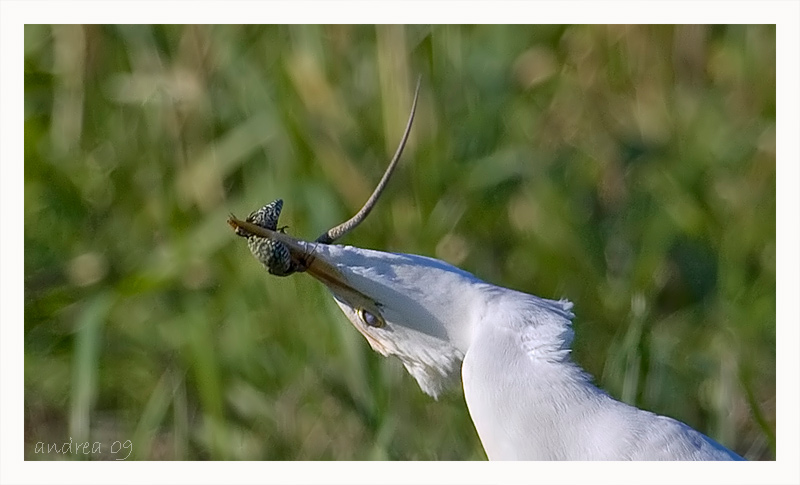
[(527, 398)]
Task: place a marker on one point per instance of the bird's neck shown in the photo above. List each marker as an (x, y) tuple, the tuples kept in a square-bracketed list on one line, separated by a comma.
[(527, 398)]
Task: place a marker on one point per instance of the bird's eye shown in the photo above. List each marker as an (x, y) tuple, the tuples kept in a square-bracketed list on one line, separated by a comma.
[(371, 319)]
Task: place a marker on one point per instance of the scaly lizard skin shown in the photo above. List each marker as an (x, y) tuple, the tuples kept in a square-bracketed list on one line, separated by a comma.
[(273, 255)]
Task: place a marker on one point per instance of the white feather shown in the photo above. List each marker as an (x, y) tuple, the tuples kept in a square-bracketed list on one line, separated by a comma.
[(526, 397)]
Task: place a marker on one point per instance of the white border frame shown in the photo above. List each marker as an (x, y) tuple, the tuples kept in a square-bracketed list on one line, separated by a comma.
[(13, 16)]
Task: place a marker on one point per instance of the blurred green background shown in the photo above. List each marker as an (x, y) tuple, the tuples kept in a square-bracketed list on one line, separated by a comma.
[(630, 169)]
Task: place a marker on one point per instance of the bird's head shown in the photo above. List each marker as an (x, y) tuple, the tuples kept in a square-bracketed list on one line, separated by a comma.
[(418, 309)]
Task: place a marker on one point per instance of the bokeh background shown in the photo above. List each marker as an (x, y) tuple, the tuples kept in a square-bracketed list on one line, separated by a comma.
[(630, 169)]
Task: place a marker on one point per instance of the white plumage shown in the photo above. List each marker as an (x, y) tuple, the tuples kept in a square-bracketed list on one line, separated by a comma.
[(526, 397)]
